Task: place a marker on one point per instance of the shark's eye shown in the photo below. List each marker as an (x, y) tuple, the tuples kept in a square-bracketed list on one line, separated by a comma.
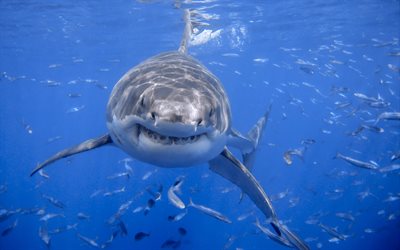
[(141, 102), (199, 122), (211, 112)]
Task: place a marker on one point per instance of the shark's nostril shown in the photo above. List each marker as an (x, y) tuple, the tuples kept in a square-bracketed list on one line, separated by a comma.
[(153, 115)]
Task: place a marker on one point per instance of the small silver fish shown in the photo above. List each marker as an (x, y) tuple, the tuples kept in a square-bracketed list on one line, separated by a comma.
[(148, 174), (122, 227), (332, 231), (389, 168), (365, 194), (369, 230), (63, 229), (210, 212), (391, 198), (117, 175), (287, 155), (357, 163), (121, 190), (50, 216), (96, 192), (54, 201), (74, 95), (395, 156), (379, 104), (53, 139), (44, 235), (41, 211), (388, 116), (75, 109), (173, 198), (121, 210), (373, 128), (365, 98), (367, 127), (231, 239), (138, 209), (279, 195), (3, 188), (308, 141), (27, 127), (244, 216), (101, 86), (127, 167), (5, 214), (294, 201), (9, 229), (177, 217), (87, 240), (345, 216), (109, 241), (82, 216), (392, 217), (394, 68), (394, 53), (43, 174)]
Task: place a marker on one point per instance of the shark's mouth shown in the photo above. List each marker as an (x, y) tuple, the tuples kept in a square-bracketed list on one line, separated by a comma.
[(166, 139)]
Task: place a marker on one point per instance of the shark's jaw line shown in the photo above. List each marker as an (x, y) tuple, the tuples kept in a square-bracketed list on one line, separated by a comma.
[(167, 144), (167, 139)]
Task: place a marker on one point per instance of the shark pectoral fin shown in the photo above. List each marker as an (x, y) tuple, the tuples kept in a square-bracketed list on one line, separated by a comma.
[(84, 146), (232, 169)]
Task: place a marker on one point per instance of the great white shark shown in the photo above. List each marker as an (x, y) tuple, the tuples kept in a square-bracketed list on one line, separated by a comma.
[(171, 111)]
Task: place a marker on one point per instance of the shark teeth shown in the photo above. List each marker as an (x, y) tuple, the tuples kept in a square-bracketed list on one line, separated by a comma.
[(167, 140)]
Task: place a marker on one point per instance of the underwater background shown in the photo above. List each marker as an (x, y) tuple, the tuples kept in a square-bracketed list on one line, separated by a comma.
[(329, 70)]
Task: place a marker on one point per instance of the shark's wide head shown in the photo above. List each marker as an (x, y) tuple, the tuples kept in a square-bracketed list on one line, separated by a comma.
[(169, 111)]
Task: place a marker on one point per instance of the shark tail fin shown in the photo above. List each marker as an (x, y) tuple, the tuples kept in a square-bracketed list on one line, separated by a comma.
[(254, 135), (82, 147)]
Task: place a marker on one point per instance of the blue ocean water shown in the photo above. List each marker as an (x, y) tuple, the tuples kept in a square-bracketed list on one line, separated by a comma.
[(328, 69)]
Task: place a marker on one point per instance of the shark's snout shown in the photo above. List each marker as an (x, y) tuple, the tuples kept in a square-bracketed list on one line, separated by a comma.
[(178, 113)]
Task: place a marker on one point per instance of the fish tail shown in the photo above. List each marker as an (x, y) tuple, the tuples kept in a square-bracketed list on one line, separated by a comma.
[(257, 222), (336, 156), (301, 153), (190, 202), (377, 120)]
